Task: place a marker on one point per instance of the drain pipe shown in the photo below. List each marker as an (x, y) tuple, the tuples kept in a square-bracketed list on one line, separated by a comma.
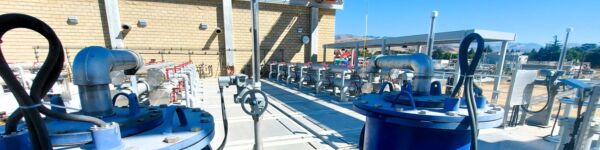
[(419, 63), (91, 69)]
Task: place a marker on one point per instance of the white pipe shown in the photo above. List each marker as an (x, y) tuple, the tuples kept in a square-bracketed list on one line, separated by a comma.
[(186, 80), (192, 82), (431, 38), (563, 53)]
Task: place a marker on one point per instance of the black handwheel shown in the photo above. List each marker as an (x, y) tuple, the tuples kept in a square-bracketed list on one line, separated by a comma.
[(256, 110)]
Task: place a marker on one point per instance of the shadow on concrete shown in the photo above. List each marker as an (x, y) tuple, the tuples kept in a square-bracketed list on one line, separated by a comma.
[(538, 144), (325, 117)]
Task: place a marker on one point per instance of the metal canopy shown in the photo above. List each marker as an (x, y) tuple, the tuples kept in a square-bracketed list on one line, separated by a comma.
[(440, 38)]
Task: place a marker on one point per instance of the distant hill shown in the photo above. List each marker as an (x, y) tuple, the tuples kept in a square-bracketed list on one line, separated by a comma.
[(524, 47)]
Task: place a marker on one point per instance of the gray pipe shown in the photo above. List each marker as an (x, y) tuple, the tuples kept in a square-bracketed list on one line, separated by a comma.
[(144, 70), (141, 89), (317, 67), (420, 63), (338, 69), (91, 69), (155, 74)]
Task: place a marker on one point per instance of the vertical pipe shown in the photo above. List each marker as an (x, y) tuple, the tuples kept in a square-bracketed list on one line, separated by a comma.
[(499, 71), (257, 135), (355, 56), (431, 38), (563, 53), (314, 35), (227, 31), (383, 50), (255, 43), (324, 54), (256, 69), (134, 87), (419, 49)]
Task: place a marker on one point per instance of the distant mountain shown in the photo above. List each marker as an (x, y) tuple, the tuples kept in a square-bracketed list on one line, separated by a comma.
[(524, 47)]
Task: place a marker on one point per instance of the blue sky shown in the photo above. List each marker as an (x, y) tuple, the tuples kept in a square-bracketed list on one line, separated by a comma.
[(532, 20)]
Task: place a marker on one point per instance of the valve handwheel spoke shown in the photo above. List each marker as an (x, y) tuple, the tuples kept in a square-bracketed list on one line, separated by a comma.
[(258, 106)]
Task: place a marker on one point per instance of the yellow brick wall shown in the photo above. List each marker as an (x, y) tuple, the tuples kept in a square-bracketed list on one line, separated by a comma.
[(173, 28), (326, 32), (18, 44)]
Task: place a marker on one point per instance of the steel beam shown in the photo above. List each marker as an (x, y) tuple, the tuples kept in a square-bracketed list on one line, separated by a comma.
[(440, 38), (499, 71), (314, 34), (113, 20)]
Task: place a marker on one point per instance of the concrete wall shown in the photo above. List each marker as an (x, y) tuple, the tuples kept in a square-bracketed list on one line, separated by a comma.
[(173, 32)]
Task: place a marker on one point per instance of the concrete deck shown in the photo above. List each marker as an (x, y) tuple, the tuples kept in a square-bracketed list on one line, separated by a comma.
[(300, 119)]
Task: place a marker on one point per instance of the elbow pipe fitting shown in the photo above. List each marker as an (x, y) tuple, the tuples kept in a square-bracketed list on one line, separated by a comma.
[(91, 69), (125, 28), (421, 64)]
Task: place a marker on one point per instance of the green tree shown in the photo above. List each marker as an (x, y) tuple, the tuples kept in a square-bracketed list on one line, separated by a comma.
[(437, 54), (447, 56), (471, 53), (487, 49), (532, 55), (574, 54), (551, 52), (593, 56)]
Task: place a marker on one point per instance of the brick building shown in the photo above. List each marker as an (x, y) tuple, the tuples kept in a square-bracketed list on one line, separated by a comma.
[(175, 30)]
